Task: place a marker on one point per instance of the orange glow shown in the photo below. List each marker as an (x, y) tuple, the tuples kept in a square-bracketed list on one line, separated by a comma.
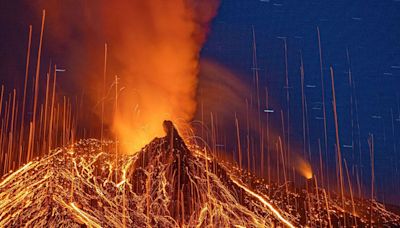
[(153, 49), (304, 168), (261, 199), (157, 44)]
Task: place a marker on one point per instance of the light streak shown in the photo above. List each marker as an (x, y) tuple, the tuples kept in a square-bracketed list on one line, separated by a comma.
[(84, 217), (100, 200), (260, 198), (5, 181)]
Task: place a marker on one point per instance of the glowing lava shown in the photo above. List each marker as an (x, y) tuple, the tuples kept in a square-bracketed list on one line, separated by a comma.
[(85, 185)]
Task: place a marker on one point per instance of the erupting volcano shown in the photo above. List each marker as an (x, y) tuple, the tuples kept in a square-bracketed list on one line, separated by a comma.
[(166, 184), (196, 113)]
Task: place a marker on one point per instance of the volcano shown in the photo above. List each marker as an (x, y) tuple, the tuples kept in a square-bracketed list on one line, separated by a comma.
[(168, 183)]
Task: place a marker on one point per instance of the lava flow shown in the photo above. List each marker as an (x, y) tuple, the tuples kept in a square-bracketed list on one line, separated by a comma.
[(166, 184)]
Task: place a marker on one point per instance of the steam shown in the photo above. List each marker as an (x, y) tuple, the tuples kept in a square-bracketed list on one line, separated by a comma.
[(153, 49)]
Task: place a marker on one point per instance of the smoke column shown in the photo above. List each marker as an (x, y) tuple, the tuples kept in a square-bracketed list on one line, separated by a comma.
[(160, 54), (153, 50)]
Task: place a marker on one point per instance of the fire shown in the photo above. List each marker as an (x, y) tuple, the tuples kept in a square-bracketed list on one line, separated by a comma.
[(153, 52), (304, 168), (157, 43)]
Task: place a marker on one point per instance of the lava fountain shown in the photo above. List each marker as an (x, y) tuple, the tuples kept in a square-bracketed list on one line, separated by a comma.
[(151, 62), (159, 52)]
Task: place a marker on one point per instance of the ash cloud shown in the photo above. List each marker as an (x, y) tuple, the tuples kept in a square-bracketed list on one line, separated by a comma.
[(153, 49)]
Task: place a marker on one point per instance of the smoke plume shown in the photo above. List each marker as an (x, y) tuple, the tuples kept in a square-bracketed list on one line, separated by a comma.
[(217, 79), (152, 59)]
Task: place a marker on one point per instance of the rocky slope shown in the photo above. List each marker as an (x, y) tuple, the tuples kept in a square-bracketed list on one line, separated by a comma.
[(166, 184)]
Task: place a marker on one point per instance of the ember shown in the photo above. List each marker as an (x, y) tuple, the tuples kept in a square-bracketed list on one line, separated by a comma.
[(158, 188)]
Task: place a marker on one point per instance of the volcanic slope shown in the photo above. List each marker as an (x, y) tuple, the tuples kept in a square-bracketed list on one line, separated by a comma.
[(166, 184)]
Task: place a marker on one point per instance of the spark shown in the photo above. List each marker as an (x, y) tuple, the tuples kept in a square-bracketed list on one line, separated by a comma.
[(5, 181), (260, 198), (84, 217), (99, 199)]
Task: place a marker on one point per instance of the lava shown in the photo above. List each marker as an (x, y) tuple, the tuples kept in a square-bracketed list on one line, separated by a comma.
[(166, 184), (149, 65)]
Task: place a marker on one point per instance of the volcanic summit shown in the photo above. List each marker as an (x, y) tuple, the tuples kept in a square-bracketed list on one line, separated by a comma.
[(168, 183)]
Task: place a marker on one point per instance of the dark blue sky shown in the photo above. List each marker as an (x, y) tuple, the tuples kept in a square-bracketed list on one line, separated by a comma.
[(370, 30)]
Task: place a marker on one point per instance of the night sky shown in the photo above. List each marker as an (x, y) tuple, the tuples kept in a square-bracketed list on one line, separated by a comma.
[(369, 30)]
